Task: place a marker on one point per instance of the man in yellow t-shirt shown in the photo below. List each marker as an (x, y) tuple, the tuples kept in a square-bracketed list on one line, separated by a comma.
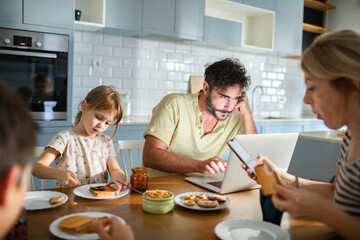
[(188, 133)]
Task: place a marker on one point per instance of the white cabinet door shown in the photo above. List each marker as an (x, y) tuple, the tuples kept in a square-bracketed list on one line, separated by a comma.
[(11, 11)]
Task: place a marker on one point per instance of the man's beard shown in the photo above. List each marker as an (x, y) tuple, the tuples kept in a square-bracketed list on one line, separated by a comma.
[(211, 109)]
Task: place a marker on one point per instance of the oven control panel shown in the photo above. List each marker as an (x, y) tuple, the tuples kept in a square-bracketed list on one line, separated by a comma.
[(20, 39)]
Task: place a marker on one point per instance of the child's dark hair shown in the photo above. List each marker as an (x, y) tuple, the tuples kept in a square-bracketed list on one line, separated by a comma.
[(17, 131), (104, 98)]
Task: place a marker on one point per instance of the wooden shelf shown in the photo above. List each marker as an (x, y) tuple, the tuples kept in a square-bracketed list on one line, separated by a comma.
[(315, 29), (318, 5)]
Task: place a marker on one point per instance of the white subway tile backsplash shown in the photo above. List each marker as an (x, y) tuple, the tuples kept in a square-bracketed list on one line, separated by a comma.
[(112, 40), (122, 52), (92, 37), (132, 42), (121, 72), (112, 81), (148, 69), (112, 62), (103, 50), (80, 47)]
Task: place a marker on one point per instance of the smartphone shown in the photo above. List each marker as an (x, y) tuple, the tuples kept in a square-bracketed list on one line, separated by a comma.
[(242, 154)]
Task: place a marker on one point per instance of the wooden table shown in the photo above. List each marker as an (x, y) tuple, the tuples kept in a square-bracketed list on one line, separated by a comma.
[(181, 223)]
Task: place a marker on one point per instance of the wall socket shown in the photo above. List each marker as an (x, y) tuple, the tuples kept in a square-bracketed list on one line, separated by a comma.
[(97, 63)]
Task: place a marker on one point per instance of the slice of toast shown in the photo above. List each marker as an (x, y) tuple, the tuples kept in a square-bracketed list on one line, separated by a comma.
[(79, 224), (266, 179), (102, 191)]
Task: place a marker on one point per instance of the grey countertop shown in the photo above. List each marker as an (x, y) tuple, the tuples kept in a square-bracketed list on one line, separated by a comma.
[(328, 136)]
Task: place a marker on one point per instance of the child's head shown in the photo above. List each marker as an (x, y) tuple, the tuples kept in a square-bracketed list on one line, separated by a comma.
[(103, 98), (17, 142)]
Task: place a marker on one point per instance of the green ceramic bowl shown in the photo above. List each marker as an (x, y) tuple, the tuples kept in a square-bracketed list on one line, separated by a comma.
[(158, 205)]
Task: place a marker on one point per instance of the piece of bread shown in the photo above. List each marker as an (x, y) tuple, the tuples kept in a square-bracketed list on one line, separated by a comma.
[(79, 224), (266, 179), (102, 191), (56, 200)]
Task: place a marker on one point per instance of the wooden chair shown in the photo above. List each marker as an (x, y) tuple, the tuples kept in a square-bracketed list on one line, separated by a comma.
[(37, 152), (129, 146)]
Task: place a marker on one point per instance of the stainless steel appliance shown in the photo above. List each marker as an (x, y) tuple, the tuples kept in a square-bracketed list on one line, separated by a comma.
[(35, 64)]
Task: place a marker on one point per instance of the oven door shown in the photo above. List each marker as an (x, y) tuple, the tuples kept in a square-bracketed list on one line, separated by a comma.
[(40, 77)]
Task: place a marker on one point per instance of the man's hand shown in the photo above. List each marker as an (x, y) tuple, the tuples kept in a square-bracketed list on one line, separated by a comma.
[(243, 106), (67, 178), (212, 165)]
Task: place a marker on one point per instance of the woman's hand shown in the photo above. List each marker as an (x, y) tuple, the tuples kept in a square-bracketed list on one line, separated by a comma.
[(67, 178), (114, 180), (117, 230), (300, 203), (259, 160)]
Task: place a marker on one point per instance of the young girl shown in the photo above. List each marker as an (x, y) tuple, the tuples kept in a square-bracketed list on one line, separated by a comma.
[(83, 154)]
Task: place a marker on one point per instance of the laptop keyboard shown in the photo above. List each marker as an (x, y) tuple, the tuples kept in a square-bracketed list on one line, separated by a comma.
[(216, 184)]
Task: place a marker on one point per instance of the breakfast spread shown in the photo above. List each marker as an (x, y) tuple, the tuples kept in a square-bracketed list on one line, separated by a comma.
[(204, 201), (56, 200), (102, 191), (266, 179), (79, 224)]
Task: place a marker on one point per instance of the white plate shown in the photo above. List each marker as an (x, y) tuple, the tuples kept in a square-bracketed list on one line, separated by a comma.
[(54, 229), (250, 229), (37, 200), (84, 192), (180, 199)]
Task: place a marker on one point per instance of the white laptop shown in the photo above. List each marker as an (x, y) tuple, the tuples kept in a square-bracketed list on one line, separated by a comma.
[(278, 147)]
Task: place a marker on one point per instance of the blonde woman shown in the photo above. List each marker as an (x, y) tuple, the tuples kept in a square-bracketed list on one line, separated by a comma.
[(332, 77)]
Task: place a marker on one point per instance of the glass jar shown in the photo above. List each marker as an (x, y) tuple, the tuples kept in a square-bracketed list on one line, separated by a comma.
[(125, 99), (139, 178)]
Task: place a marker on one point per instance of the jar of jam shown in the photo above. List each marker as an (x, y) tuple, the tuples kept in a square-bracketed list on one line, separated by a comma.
[(139, 178)]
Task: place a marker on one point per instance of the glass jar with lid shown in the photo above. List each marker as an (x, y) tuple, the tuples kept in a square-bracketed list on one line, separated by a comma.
[(125, 99), (139, 178)]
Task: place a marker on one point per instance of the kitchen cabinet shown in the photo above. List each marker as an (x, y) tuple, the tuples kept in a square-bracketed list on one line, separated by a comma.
[(174, 18), (92, 14), (223, 32), (288, 27), (268, 4), (124, 15), (11, 11), (257, 24), (49, 13)]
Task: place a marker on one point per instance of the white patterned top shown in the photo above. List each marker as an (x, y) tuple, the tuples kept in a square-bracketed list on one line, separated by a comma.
[(85, 157)]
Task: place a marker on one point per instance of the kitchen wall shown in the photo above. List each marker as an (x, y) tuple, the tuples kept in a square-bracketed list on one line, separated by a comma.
[(345, 16), (148, 68)]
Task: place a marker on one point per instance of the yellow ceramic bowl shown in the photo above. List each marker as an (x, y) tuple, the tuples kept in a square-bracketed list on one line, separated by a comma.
[(158, 205)]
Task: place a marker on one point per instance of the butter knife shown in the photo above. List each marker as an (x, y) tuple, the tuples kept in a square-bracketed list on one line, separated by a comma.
[(132, 188)]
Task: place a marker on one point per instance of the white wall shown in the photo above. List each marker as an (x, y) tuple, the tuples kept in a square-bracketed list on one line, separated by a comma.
[(148, 69), (345, 16)]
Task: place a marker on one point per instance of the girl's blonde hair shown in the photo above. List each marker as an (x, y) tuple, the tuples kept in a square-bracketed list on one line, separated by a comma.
[(105, 98), (334, 56)]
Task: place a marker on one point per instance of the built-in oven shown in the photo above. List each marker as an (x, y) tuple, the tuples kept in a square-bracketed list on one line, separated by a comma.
[(35, 64)]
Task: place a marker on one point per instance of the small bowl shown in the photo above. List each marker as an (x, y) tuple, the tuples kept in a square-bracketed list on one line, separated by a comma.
[(158, 205)]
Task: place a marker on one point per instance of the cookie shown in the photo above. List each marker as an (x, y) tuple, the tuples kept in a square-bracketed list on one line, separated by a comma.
[(207, 203), (200, 195), (217, 198), (189, 202), (56, 200), (189, 197)]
